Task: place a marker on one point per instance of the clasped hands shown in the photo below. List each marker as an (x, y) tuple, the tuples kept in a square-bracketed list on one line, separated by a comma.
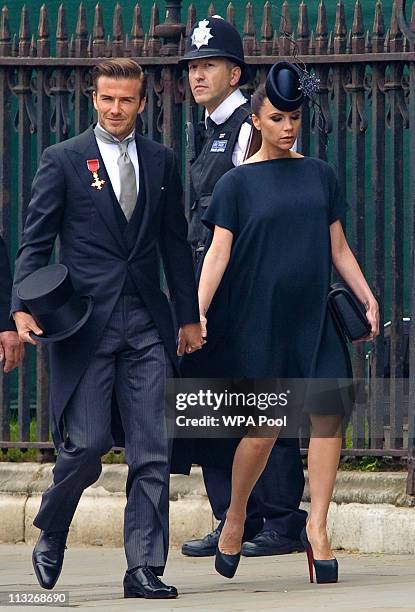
[(192, 337)]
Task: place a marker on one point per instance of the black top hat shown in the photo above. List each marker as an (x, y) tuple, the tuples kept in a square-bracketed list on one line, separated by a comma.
[(283, 86), (49, 295), (215, 37)]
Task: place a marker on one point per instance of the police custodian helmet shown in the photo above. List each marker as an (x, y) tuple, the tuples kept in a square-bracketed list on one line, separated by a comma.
[(215, 37)]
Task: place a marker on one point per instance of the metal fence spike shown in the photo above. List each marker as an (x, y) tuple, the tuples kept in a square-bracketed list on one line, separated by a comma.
[(321, 34), (211, 10), (368, 42), (249, 30), (395, 32), (358, 30), (117, 24), (137, 32), (267, 30), (340, 29), (311, 45), (81, 33), (62, 49), (303, 29), (153, 46), (286, 47), (32, 50), (5, 37), (230, 13), (24, 33), (191, 19)]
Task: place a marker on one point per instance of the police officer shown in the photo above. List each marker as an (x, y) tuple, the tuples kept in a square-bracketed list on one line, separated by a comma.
[(215, 61), (216, 67)]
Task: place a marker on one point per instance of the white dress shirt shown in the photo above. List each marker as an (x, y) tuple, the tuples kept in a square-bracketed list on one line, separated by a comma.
[(222, 114), (110, 154)]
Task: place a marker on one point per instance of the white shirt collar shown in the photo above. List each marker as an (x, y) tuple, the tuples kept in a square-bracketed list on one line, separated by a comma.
[(227, 107), (104, 130)]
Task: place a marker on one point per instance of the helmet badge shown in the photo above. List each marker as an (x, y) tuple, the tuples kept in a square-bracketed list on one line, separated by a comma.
[(201, 35)]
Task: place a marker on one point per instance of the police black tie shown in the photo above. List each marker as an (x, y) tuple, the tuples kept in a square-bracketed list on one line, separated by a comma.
[(128, 183), (210, 127)]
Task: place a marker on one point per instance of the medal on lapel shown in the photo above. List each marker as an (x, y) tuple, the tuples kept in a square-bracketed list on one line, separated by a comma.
[(93, 166)]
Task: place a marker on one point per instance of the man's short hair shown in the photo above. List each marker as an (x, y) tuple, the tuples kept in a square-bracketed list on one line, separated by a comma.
[(120, 68), (231, 63)]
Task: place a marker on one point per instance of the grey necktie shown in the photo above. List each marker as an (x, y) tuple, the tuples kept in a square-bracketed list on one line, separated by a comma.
[(128, 192)]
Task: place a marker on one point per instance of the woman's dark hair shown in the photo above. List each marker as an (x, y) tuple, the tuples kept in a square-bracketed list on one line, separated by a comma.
[(257, 101)]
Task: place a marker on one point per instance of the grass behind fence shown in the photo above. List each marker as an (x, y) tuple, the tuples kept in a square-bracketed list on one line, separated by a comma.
[(366, 464)]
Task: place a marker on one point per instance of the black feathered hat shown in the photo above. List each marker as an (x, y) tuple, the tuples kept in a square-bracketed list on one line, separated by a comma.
[(215, 37), (49, 295)]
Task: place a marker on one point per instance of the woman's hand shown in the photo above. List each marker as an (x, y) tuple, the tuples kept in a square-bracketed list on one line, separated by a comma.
[(348, 268), (372, 315)]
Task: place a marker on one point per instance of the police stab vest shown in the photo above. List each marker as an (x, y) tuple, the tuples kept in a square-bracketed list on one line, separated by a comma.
[(213, 161)]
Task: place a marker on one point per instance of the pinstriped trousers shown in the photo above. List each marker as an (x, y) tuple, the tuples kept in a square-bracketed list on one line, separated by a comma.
[(132, 362)]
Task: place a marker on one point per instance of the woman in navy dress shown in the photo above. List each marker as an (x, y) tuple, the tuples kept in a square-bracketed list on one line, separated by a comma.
[(277, 223)]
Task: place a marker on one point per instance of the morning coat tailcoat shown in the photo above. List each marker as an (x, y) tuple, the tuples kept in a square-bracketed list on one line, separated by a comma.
[(91, 245), (5, 290)]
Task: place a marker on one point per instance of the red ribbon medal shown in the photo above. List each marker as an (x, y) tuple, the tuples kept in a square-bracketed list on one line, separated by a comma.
[(93, 166)]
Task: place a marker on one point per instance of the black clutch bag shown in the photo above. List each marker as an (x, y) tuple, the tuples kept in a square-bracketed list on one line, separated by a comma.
[(348, 312)]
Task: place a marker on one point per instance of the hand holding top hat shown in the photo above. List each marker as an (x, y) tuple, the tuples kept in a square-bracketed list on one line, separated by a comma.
[(56, 311), (25, 325)]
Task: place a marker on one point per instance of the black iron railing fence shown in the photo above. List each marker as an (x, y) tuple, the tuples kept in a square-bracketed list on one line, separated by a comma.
[(367, 107)]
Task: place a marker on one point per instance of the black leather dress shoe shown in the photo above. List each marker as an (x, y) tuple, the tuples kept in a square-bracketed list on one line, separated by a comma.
[(205, 547), (143, 582), (47, 557), (268, 542)]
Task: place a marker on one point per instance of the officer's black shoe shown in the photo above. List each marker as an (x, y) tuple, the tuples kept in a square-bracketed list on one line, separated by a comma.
[(143, 582), (268, 542), (205, 547), (47, 557)]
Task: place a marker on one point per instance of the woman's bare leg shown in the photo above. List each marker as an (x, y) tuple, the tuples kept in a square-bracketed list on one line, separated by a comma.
[(249, 462), (323, 461)]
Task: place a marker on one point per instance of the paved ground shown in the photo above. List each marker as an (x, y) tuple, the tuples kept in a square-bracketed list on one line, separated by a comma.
[(92, 576)]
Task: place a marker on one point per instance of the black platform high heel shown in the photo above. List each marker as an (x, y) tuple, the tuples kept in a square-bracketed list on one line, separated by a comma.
[(226, 565), (327, 570)]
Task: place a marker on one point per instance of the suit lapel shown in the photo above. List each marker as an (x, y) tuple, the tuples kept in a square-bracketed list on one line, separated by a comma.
[(104, 199)]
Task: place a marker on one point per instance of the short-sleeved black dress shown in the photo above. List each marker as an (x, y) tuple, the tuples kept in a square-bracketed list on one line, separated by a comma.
[(269, 317)]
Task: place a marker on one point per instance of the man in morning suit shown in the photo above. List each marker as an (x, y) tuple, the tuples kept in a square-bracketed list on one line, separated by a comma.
[(215, 61), (114, 199), (11, 349)]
